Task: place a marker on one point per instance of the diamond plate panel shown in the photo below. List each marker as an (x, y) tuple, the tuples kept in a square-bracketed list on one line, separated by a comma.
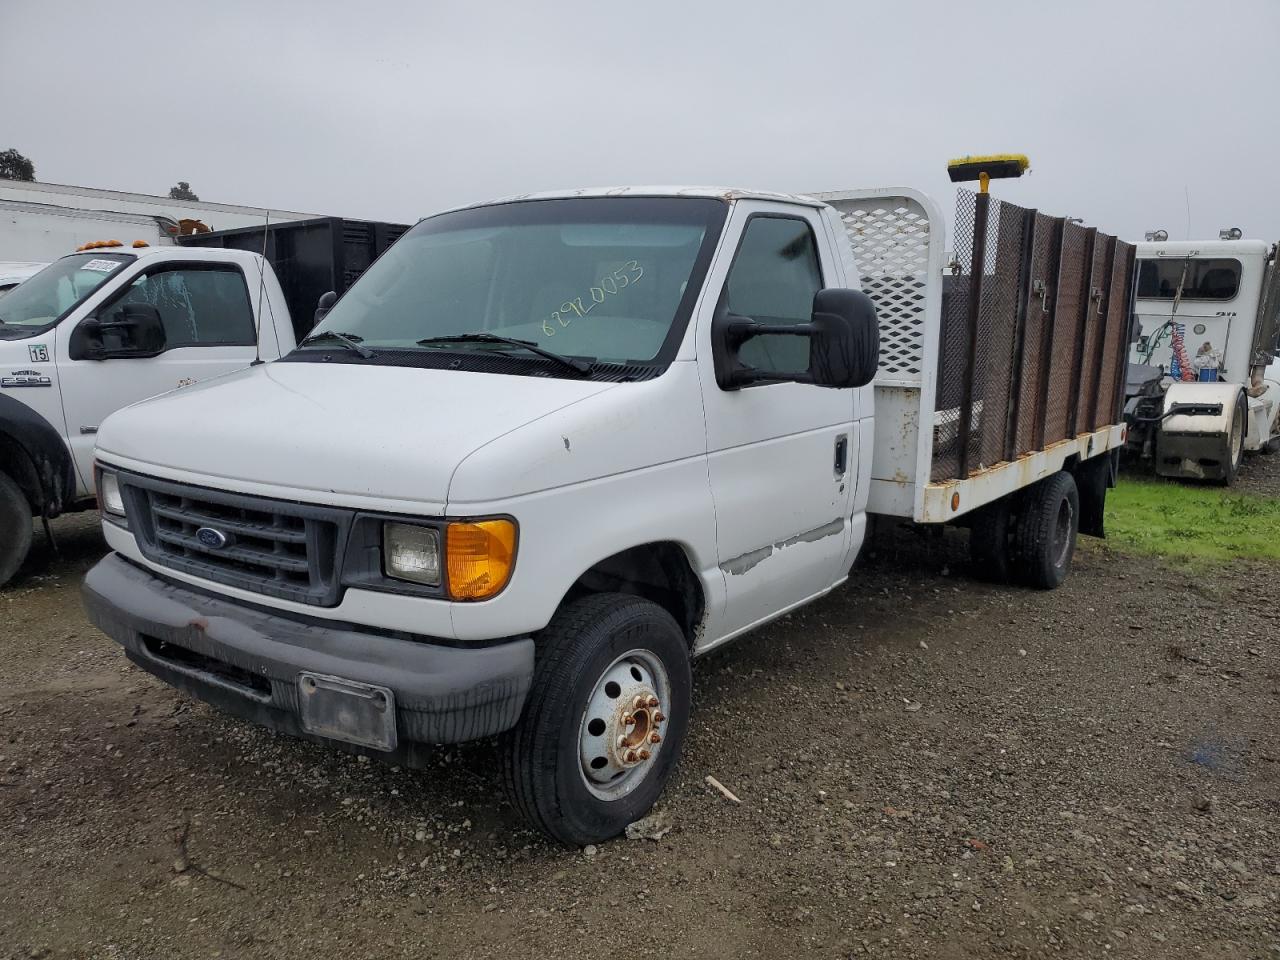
[(891, 249)]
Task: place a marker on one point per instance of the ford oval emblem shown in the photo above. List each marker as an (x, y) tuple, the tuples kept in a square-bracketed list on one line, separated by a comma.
[(214, 539)]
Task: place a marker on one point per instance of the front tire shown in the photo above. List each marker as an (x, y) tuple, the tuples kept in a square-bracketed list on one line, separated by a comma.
[(1235, 441), (15, 528), (611, 674), (1045, 539)]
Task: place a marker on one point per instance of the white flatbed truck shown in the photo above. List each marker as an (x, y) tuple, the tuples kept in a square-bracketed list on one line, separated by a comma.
[(555, 447)]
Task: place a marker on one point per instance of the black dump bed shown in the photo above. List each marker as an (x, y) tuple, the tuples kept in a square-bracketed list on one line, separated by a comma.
[(310, 257)]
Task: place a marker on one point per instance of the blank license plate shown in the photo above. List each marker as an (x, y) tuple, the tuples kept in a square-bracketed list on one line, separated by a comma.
[(344, 710)]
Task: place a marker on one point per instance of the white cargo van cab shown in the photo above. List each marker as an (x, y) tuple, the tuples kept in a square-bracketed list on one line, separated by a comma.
[(539, 456)]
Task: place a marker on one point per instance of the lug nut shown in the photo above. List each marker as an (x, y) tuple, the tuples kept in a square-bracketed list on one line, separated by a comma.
[(645, 754), (622, 742), (655, 737), (631, 756), (629, 720), (659, 717), (651, 702), (639, 703)]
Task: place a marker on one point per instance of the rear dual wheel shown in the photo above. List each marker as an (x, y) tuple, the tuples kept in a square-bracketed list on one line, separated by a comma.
[(606, 716), (1029, 539)]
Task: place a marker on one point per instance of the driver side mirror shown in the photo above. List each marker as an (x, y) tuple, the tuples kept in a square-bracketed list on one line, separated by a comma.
[(133, 330), (327, 300), (844, 343)]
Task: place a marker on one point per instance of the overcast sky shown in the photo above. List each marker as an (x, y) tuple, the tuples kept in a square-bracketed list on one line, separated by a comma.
[(392, 110)]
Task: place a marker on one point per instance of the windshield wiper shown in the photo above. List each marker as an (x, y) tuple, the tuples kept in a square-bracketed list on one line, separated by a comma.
[(348, 340), (570, 362)]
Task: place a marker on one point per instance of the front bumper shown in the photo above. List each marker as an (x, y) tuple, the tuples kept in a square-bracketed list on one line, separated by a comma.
[(246, 661)]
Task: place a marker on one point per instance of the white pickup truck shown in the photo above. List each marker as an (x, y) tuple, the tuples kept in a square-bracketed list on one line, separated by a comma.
[(98, 330), (555, 447)]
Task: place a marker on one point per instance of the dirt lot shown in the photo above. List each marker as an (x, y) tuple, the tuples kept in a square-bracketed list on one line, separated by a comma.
[(929, 767)]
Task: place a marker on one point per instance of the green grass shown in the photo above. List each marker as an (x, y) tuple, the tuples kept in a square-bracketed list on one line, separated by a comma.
[(1191, 522)]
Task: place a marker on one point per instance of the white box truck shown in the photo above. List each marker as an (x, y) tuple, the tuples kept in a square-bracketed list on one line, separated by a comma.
[(555, 447)]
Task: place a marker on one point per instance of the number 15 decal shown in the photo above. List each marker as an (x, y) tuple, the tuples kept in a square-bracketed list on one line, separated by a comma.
[(38, 353)]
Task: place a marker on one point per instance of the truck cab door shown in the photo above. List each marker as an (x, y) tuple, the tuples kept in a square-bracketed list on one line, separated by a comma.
[(781, 456), (209, 330)]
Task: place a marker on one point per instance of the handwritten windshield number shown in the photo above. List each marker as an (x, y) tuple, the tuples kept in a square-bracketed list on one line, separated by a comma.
[(620, 279)]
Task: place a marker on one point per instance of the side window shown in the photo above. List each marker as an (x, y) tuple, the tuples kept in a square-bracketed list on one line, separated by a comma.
[(200, 306), (773, 279)]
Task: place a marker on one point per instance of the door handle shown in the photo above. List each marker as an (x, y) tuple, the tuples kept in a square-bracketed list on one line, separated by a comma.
[(842, 456)]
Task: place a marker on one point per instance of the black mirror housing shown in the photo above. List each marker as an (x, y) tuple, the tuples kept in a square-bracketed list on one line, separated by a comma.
[(844, 343), (844, 348), (133, 330), (326, 302)]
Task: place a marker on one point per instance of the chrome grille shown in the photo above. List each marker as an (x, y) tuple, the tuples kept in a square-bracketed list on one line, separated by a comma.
[(273, 547)]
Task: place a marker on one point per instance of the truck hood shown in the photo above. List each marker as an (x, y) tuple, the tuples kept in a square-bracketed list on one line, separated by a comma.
[(348, 432)]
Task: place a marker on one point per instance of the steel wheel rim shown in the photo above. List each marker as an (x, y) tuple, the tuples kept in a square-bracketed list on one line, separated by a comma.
[(1062, 531), (1237, 440), (628, 750)]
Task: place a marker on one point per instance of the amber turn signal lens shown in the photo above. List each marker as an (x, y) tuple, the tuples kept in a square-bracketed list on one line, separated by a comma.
[(479, 558)]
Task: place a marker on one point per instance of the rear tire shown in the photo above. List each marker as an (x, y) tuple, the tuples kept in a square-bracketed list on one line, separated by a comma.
[(563, 766), (1045, 538), (15, 528), (990, 549)]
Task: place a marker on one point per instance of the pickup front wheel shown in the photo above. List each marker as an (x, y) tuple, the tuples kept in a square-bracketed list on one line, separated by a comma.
[(605, 719), (15, 528)]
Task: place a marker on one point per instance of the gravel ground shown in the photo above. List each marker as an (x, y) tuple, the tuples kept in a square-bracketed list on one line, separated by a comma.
[(1259, 474), (928, 767)]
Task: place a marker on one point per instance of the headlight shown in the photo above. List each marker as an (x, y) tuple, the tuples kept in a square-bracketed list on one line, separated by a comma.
[(477, 556), (410, 552), (110, 499)]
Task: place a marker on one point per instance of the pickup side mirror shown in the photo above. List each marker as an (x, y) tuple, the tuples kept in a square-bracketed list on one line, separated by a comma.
[(133, 330), (327, 300), (844, 343)]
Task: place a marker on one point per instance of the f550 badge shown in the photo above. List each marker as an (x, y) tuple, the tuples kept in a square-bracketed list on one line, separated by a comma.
[(26, 378)]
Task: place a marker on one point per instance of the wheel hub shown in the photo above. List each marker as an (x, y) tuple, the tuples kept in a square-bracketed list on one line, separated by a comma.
[(621, 729)]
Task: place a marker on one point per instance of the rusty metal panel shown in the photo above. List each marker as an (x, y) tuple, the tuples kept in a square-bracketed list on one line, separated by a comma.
[(1094, 320), (1064, 342), (1116, 335), (953, 346), (1040, 296), (997, 323)]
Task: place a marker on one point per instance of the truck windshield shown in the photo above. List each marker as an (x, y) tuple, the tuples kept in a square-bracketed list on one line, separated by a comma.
[(1188, 279), (48, 296), (609, 279)]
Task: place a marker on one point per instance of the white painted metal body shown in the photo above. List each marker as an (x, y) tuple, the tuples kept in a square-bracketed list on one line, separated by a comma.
[(42, 221), (75, 396), (741, 481)]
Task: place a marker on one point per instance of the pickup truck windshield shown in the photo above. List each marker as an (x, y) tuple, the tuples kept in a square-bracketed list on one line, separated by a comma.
[(47, 297), (610, 279)]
